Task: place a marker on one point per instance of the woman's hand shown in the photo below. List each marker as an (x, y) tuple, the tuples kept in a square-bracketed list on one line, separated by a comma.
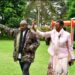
[(34, 27)]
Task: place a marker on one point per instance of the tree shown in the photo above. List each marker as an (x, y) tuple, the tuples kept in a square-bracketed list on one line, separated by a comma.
[(71, 11), (47, 10), (12, 11)]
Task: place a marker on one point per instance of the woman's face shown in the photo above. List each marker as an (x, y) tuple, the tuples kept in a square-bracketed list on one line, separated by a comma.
[(57, 26)]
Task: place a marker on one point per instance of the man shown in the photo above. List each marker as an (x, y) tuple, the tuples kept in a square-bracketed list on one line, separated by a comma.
[(25, 45), (59, 48)]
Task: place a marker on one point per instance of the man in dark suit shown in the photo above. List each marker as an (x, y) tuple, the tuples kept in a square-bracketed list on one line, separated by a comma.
[(25, 45)]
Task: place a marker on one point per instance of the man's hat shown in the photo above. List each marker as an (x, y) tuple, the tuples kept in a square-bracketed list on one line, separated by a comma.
[(23, 22)]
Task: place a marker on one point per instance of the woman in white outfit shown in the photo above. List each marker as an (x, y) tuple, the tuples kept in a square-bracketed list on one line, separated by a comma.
[(59, 48)]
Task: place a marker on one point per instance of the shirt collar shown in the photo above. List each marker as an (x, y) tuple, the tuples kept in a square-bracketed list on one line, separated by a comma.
[(61, 31)]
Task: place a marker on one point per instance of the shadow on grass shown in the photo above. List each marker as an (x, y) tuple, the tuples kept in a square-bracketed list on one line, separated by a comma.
[(6, 38)]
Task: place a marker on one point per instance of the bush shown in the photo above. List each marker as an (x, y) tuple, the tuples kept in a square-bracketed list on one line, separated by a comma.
[(68, 28), (45, 28), (5, 36), (74, 45)]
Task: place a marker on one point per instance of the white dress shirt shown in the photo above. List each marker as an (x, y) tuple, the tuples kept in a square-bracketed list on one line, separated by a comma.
[(19, 56)]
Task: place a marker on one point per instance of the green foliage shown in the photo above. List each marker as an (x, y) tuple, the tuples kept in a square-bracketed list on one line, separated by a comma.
[(68, 28), (5, 36), (9, 67), (74, 44), (12, 11), (44, 29), (71, 11)]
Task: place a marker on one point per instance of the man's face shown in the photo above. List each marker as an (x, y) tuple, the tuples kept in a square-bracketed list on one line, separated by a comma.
[(23, 26)]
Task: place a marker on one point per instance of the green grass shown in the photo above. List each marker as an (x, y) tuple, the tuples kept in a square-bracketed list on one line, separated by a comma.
[(9, 67), (39, 67)]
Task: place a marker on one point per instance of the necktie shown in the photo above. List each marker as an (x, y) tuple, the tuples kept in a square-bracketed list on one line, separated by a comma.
[(20, 43)]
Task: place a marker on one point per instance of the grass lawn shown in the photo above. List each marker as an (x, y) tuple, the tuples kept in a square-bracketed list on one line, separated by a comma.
[(39, 67)]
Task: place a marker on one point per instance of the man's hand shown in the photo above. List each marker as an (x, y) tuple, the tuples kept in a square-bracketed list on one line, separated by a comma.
[(71, 62)]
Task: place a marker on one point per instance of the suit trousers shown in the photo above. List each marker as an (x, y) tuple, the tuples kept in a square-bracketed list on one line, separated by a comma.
[(25, 67)]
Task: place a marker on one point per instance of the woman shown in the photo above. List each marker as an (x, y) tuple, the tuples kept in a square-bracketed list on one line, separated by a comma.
[(59, 48)]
